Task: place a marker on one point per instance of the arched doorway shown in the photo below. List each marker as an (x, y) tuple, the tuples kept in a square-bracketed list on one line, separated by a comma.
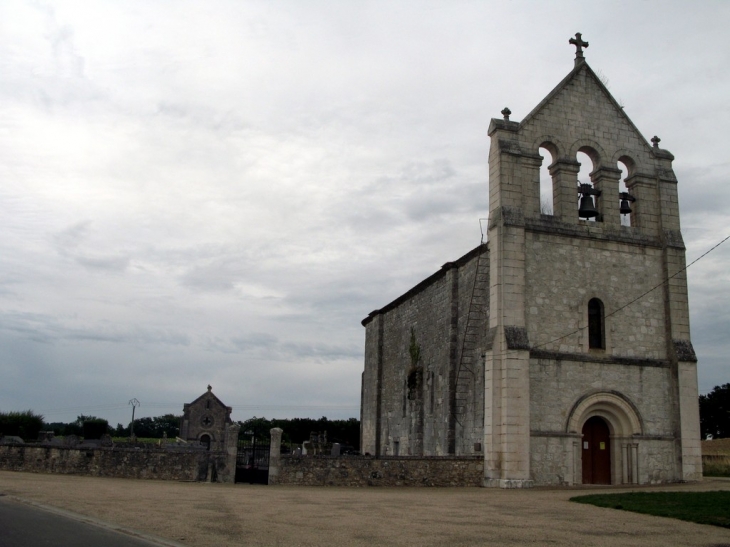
[(596, 452), (205, 439)]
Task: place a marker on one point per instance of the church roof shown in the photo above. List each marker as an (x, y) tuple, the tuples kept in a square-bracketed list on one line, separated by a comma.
[(209, 395), (430, 280)]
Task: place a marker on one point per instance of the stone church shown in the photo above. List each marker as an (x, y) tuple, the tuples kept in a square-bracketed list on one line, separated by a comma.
[(559, 350)]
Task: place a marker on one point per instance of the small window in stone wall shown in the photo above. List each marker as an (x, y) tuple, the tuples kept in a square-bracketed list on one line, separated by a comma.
[(405, 397), (432, 380), (596, 337), (396, 448)]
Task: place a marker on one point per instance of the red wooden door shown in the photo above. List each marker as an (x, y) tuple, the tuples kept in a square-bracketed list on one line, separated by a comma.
[(596, 452)]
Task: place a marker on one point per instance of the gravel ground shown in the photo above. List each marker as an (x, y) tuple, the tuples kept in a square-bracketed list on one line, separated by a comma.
[(220, 514)]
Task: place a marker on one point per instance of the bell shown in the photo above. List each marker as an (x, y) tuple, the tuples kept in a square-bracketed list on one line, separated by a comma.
[(587, 208), (625, 207)]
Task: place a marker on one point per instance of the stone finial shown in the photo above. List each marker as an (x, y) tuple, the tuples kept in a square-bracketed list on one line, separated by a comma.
[(579, 45), (655, 141), (209, 387), (506, 112)]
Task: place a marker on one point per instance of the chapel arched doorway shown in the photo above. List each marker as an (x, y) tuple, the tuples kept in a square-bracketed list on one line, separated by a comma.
[(596, 451), (205, 440)]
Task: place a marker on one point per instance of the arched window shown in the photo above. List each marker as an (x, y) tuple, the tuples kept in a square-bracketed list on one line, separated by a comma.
[(596, 337)]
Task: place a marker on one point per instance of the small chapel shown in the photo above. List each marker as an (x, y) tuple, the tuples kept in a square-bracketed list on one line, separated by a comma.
[(558, 350), (207, 421)]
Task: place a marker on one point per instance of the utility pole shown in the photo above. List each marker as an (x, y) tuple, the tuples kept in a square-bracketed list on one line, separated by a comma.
[(135, 403)]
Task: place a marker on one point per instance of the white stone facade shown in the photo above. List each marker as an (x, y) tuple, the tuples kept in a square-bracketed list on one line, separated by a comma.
[(514, 373)]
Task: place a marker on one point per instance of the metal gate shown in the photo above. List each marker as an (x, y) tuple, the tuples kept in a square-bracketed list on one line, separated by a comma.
[(252, 461)]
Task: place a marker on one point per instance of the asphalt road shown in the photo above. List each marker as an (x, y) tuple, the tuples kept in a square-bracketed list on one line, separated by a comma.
[(23, 525)]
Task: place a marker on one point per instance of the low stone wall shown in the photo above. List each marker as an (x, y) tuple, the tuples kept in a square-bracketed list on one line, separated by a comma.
[(121, 462), (384, 471)]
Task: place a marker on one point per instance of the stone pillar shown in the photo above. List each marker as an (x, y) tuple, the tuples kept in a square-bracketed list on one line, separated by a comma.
[(230, 449), (507, 380), (564, 173), (645, 210), (689, 421), (530, 165), (680, 350), (606, 179), (275, 455), (371, 426)]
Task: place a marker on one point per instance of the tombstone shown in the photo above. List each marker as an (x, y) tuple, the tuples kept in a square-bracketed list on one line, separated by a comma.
[(11, 439), (307, 448), (297, 452), (46, 436), (335, 449), (90, 443), (71, 440), (106, 440)]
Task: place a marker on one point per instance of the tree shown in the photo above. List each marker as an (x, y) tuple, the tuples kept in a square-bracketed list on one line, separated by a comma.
[(95, 428), (715, 412), (25, 424), (156, 427)]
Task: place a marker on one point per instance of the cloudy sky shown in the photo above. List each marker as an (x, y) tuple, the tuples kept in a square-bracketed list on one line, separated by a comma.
[(219, 192)]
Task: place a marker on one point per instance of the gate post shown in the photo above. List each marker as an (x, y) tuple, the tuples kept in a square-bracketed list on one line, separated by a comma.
[(230, 449), (275, 455)]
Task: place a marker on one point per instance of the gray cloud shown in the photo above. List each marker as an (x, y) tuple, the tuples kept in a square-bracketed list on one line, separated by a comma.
[(221, 194)]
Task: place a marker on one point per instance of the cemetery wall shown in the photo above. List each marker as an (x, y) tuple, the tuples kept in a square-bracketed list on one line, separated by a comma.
[(385, 471), (128, 463)]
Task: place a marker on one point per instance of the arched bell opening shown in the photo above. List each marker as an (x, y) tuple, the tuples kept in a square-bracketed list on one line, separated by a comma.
[(548, 152), (627, 168), (587, 193)]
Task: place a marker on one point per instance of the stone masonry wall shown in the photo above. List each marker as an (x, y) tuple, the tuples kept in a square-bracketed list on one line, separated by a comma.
[(616, 273), (367, 471), (555, 387), (429, 314), (115, 462), (437, 311)]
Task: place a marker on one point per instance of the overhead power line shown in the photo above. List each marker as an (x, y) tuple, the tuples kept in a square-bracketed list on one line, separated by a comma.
[(664, 282)]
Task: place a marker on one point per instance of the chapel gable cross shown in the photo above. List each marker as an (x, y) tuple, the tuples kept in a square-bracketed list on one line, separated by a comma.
[(579, 45)]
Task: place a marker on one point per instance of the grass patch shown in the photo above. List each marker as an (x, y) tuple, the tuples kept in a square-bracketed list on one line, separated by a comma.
[(139, 440), (701, 507), (716, 466)]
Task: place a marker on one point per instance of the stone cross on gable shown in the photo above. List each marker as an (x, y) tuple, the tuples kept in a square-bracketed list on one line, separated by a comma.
[(579, 45)]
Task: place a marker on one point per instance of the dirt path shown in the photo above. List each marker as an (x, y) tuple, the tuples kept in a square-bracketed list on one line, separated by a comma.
[(220, 515)]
